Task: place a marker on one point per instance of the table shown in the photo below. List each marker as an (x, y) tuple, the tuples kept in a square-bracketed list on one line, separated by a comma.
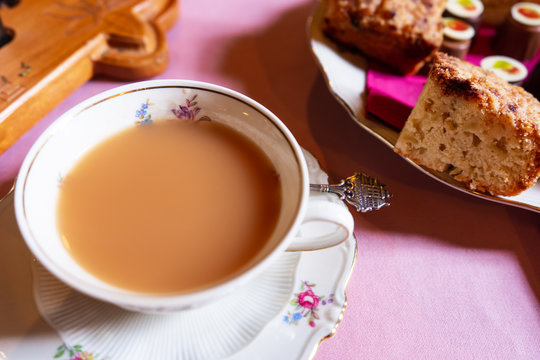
[(439, 274)]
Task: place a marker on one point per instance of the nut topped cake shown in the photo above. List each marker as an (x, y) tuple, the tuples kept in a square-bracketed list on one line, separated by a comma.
[(402, 34), (475, 126)]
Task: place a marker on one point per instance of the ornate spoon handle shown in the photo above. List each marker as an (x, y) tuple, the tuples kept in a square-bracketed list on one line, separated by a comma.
[(363, 192)]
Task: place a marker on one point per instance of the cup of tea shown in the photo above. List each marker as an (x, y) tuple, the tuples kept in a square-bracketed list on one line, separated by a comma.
[(164, 195)]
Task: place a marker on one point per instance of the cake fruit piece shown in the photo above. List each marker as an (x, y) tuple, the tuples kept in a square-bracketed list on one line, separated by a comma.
[(475, 126)]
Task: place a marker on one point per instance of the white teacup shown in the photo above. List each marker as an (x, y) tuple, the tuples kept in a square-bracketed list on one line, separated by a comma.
[(83, 127)]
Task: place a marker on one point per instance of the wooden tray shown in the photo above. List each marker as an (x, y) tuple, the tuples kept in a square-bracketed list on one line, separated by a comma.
[(58, 45)]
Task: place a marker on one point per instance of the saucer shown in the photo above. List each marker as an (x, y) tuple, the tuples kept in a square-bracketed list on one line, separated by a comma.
[(215, 331), (284, 313)]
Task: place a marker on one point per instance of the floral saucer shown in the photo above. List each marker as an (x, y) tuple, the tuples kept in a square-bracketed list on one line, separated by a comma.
[(284, 313)]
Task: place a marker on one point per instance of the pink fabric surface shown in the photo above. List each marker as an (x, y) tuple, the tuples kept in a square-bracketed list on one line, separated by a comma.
[(391, 97), (439, 274)]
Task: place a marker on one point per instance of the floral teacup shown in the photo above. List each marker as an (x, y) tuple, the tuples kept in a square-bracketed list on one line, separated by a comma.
[(89, 123)]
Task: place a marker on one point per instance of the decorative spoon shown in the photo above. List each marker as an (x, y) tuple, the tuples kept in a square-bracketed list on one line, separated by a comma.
[(362, 191)]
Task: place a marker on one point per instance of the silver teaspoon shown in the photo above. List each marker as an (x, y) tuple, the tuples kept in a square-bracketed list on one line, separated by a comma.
[(361, 191)]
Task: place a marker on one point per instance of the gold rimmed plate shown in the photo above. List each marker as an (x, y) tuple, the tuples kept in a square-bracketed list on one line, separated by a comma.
[(346, 74), (297, 304)]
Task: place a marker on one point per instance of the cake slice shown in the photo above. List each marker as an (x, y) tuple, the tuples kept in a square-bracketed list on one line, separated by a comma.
[(402, 34), (475, 126)]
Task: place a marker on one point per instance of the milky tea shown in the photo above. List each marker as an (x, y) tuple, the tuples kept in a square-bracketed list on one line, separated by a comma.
[(169, 206)]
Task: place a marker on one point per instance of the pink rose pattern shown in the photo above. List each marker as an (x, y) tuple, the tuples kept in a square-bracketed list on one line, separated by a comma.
[(306, 304), (74, 353)]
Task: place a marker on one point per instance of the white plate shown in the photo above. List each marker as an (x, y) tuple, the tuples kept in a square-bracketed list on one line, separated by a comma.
[(345, 75), (283, 314)]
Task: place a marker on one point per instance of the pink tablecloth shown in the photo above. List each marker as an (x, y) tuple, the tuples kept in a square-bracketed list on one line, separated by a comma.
[(439, 274)]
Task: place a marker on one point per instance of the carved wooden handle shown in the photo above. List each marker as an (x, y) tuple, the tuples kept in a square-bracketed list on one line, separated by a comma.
[(58, 45)]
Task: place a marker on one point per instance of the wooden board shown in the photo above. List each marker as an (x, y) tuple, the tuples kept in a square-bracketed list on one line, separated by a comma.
[(58, 45)]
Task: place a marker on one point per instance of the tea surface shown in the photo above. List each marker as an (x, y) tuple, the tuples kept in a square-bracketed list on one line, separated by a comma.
[(169, 206)]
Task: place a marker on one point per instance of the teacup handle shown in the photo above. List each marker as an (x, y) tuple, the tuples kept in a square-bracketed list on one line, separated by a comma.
[(314, 233)]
